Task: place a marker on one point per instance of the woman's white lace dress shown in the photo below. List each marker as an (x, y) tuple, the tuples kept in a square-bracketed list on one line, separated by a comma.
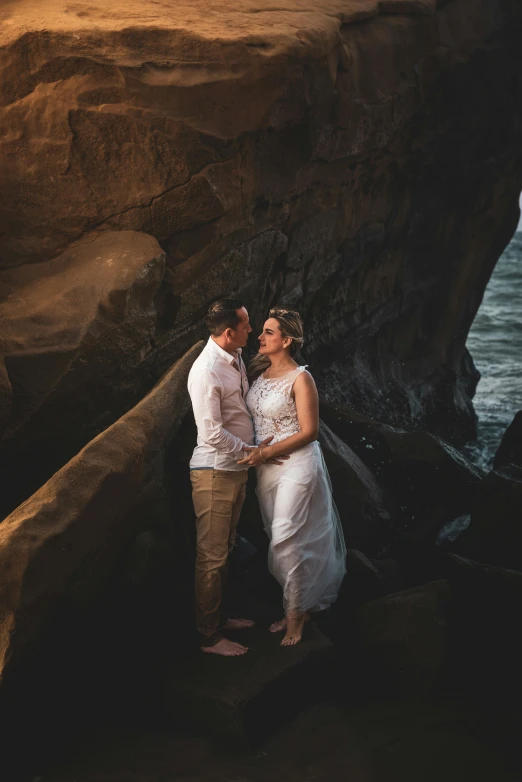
[(307, 550)]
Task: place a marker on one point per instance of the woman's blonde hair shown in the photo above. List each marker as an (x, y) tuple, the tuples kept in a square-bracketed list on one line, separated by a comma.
[(291, 327)]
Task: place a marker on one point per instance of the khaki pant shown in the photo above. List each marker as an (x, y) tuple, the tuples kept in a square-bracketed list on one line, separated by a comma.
[(218, 496)]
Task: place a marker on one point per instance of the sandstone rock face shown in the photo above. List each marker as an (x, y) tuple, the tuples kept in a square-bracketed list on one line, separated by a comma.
[(357, 159), (75, 336), (64, 539)]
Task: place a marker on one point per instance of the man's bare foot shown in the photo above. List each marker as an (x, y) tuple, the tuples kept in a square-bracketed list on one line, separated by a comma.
[(226, 648), (238, 624), (294, 629)]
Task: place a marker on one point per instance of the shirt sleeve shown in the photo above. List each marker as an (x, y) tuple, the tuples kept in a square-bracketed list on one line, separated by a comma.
[(205, 392)]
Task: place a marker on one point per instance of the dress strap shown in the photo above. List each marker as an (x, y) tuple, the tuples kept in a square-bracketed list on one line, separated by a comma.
[(292, 376)]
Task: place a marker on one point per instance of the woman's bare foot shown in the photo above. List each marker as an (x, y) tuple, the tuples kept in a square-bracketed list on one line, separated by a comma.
[(226, 648), (238, 624), (294, 629), (280, 625)]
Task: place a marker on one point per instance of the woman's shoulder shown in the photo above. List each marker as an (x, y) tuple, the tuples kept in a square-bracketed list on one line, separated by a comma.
[(303, 377)]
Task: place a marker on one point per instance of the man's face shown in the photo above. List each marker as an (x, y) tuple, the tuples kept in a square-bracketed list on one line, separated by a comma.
[(238, 336)]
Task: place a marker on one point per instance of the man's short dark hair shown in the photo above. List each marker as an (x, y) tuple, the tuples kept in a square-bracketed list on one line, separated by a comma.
[(222, 314)]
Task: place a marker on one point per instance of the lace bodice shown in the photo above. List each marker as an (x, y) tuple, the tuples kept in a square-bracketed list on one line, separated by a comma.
[(272, 406)]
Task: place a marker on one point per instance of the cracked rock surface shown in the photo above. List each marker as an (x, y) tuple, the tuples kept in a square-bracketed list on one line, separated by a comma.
[(359, 160)]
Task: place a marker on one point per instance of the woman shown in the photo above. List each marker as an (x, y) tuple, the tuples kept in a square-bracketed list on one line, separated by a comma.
[(307, 550)]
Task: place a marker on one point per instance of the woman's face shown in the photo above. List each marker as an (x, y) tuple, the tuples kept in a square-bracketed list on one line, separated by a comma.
[(271, 341)]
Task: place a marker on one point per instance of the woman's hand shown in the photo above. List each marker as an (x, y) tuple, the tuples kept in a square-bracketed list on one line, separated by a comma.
[(255, 457), (259, 454)]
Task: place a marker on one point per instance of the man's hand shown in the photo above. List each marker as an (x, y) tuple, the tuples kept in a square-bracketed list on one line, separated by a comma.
[(254, 457)]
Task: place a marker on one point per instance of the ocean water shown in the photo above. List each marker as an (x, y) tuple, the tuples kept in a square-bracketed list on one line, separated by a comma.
[(495, 342)]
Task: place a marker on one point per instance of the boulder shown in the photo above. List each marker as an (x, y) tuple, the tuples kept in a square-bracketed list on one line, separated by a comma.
[(366, 522), (404, 638), (426, 482), (486, 642), (510, 448), (246, 702), (76, 348), (494, 535), (365, 579), (63, 541)]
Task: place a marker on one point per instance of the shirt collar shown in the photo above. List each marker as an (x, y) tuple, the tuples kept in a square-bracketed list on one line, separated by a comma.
[(229, 357)]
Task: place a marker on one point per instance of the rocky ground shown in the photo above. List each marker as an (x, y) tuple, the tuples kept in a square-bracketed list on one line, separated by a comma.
[(373, 741)]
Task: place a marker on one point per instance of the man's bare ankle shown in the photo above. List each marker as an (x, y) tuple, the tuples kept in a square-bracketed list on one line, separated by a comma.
[(226, 648), (238, 623)]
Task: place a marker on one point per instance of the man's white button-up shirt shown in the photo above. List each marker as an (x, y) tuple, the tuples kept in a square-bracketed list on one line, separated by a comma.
[(218, 392)]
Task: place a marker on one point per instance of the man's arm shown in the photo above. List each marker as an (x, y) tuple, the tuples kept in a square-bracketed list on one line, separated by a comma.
[(205, 393)]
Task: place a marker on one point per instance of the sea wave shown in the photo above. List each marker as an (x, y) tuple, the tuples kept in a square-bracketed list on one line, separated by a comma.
[(495, 342)]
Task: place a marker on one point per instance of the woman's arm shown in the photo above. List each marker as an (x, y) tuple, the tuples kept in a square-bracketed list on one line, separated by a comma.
[(307, 406)]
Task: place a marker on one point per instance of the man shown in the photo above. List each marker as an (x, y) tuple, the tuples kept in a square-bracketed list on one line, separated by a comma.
[(217, 386)]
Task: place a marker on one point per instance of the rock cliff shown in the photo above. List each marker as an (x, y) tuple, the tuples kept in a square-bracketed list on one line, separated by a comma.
[(357, 159)]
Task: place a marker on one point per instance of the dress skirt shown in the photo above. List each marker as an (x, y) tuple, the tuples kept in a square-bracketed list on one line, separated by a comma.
[(307, 553)]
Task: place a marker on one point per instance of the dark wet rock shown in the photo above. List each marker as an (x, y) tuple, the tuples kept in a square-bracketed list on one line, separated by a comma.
[(486, 640), (510, 449), (245, 701), (391, 575), (362, 581), (426, 482), (367, 579), (404, 638), (494, 535), (366, 522)]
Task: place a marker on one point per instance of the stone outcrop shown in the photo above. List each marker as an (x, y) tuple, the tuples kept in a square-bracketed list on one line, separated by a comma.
[(366, 579), (357, 159), (425, 482), (366, 522), (245, 703), (494, 535), (404, 637), (510, 449), (486, 639), (63, 541), (76, 337)]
